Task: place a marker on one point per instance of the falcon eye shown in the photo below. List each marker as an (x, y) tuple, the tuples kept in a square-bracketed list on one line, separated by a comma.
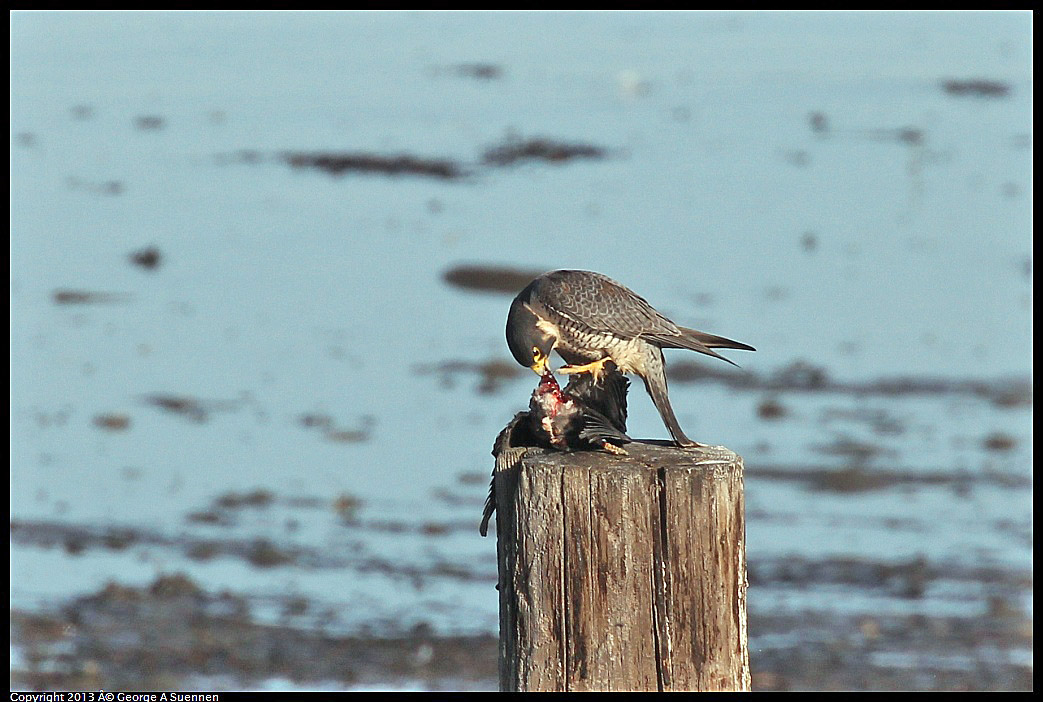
[(535, 351)]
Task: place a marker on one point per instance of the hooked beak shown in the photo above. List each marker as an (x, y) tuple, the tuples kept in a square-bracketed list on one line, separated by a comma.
[(541, 365)]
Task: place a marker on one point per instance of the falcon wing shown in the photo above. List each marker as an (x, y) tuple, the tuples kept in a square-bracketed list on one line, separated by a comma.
[(601, 304)]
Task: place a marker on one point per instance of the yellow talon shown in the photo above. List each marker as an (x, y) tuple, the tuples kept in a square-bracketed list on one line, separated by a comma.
[(597, 368)]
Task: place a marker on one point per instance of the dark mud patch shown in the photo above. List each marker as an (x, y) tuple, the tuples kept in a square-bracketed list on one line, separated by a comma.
[(976, 87), (889, 652), (1000, 442), (990, 648), (910, 136), (226, 509), (166, 634), (183, 405), (81, 113), (881, 421), (351, 435), (857, 478), (853, 479), (906, 578), (809, 241), (516, 150), (822, 127), (257, 499), (857, 452), (315, 420), (339, 164), (263, 553), (818, 122), (149, 123), (801, 376), (77, 539), (148, 258), (243, 156), (111, 421), (771, 409), (512, 151), (64, 296), (496, 279), (478, 70), (491, 374), (473, 478), (192, 408), (211, 517), (325, 423), (348, 508), (94, 187)]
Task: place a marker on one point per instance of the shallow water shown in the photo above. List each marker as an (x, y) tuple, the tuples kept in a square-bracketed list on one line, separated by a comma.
[(801, 182)]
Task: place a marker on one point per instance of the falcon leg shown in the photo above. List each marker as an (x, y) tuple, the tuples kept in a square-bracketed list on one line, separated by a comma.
[(596, 368)]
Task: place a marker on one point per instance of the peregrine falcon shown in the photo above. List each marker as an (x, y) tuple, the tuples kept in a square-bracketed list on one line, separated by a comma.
[(591, 319)]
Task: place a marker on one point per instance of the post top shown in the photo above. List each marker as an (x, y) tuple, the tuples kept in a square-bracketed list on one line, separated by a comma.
[(647, 454)]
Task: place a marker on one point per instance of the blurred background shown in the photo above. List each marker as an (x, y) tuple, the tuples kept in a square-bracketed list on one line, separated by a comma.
[(260, 270)]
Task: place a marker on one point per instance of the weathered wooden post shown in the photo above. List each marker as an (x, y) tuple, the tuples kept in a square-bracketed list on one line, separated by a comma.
[(623, 572)]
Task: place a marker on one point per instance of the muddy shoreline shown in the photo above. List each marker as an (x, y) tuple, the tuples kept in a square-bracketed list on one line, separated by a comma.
[(173, 634)]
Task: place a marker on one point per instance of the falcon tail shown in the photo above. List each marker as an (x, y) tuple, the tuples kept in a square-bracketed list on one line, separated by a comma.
[(701, 342)]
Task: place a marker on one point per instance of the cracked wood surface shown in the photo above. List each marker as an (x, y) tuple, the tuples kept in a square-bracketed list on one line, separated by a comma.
[(623, 572)]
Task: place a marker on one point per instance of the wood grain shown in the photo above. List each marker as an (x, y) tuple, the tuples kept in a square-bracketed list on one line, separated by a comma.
[(623, 573)]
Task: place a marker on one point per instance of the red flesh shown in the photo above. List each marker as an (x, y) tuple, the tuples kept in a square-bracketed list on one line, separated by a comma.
[(549, 384)]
